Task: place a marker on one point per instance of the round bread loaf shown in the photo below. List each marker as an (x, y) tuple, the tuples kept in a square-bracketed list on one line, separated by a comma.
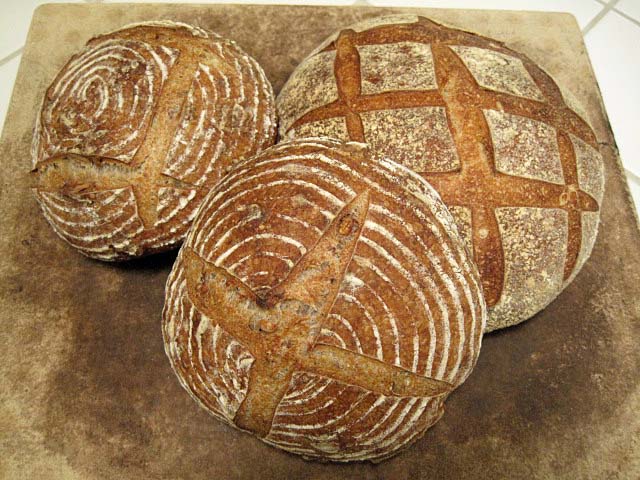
[(511, 155), (135, 130), (324, 301)]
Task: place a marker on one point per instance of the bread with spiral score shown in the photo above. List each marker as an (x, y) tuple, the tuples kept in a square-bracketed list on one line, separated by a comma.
[(324, 301), (137, 127)]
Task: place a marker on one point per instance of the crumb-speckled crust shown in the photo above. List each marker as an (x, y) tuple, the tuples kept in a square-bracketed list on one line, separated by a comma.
[(135, 130), (510, 153), (324, 301)]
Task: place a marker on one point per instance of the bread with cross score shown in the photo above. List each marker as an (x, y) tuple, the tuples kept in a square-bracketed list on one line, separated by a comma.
[(510, 153), (137, 127), (324, 301)]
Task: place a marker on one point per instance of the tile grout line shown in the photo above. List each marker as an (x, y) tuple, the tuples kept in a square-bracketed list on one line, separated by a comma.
[(610, 6), (628, 17), (592, 23), (17, 52), (632, 175), (11, 56), (607, 7)]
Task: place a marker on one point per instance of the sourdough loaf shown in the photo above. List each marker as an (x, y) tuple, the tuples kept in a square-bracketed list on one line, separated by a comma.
[(135, 130), (511, 155), (324, 301)]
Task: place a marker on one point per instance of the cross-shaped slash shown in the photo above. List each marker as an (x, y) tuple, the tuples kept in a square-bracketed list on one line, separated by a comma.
[(281, 326), (73, 173)]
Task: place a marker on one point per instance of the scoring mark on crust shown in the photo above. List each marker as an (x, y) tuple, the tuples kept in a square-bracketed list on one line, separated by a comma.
[(466, 66), (280, 327)]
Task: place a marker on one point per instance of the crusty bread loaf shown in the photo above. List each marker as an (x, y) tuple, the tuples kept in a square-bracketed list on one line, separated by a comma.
[(135, 130), (324, 301), (511, 155)]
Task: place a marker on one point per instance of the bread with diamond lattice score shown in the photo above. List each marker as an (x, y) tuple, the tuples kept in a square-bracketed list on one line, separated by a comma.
[(137, 127), (510, 153), (324, 301)]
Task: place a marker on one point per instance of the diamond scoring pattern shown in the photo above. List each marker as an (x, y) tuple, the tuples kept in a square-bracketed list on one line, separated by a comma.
[(477, 185)]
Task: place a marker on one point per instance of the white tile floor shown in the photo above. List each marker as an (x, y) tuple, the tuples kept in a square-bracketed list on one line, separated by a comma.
[(8, 73), (611, 29), (612, 44), (15, 17)]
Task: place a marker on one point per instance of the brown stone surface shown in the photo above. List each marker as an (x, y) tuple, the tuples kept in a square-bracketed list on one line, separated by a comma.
[(87, 392)]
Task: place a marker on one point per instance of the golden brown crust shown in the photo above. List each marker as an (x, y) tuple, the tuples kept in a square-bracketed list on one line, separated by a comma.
[(488, 128), (324, 302), (137, 127)]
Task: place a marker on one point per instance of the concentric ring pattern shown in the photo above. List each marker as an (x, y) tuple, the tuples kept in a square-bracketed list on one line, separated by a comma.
[(410, 296), (113, 85), (137, 127)]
